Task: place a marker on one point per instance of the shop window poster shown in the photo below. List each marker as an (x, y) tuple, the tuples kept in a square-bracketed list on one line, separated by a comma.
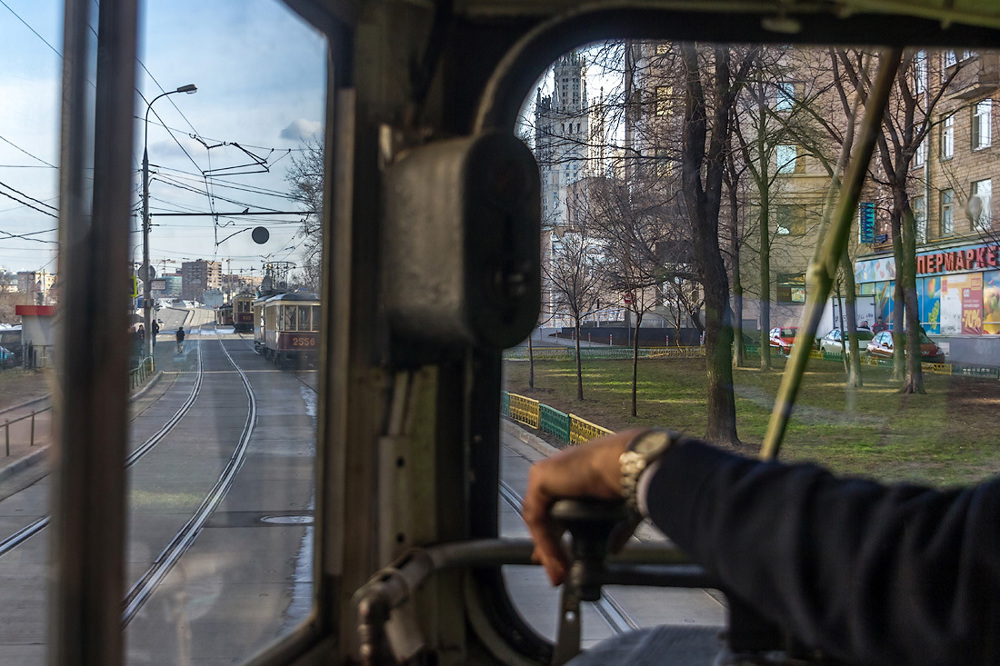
[(962, 304), (991, 302), (883, 302), (972, 305), (930, 304)]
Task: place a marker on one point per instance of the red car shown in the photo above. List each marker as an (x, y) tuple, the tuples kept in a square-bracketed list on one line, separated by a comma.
[(782, 338), (881, 347)]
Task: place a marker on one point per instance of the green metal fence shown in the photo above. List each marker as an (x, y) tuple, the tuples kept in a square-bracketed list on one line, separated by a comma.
[(554, 422)]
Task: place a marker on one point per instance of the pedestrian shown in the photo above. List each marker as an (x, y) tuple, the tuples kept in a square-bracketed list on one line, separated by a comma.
[(156, 330), (140, 334), (879, 326), (180, 339)]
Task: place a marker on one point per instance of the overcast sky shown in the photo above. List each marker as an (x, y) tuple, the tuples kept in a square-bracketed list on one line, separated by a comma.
[(260, 73)]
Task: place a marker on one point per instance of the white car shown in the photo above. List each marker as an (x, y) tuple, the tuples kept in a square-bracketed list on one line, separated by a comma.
[(833, 342)]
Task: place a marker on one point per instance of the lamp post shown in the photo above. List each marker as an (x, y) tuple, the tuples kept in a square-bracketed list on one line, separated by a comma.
[(146, 282)]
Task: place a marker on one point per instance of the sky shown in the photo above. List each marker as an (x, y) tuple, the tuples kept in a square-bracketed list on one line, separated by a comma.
[(260, 73)]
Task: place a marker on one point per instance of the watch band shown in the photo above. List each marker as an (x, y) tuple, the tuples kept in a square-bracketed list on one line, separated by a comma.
[(644, 449)]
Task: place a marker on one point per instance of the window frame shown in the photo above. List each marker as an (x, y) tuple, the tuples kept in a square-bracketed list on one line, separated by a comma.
[(981, 133), (948, 137)]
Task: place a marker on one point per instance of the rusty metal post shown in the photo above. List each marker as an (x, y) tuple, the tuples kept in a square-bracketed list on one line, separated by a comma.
[(32, 440), (6, 427)]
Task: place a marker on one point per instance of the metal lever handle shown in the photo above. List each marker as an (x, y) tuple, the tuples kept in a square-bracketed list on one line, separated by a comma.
[(590, 523)]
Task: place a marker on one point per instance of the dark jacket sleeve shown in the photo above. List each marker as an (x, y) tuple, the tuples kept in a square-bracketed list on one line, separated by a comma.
[(866, 572)]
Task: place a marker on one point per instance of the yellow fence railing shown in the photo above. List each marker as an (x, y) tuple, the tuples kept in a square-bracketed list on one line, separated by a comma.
[(524, 410), (581, 430)]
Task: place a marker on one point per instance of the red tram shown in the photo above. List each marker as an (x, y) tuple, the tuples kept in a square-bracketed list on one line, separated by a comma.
[(286, 328), (224, 315), (242, 309)]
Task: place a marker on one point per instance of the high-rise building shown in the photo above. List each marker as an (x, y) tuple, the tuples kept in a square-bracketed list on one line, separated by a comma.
[(199, 276)]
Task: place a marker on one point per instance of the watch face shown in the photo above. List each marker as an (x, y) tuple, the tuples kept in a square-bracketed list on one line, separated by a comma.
[(651, 442)]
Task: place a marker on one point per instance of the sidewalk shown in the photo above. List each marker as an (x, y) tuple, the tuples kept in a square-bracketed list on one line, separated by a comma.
[(24, 454)]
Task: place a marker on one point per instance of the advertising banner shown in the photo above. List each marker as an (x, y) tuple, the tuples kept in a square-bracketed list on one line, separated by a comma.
[(972, 305), (991, 302), (930, 303)]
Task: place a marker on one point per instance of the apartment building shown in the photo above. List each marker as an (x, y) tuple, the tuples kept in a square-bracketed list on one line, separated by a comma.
[(199, 276), (951, 194)]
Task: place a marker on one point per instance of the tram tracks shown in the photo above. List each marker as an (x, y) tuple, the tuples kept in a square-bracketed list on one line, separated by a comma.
[(141, 591), (20, 536)]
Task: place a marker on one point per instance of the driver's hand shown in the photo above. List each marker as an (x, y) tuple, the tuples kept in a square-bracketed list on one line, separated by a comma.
[(588, 470)]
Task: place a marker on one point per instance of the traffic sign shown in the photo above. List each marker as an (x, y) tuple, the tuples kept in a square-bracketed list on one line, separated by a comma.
[(133, 286)]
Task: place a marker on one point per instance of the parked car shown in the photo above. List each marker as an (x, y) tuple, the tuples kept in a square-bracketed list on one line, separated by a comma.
[(833, 342), (881, 347), (782, 338)]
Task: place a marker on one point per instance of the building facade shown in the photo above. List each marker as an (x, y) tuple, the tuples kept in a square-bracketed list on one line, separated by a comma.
[(199, 276)]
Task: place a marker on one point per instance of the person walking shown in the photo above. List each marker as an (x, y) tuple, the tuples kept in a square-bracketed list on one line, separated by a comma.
[(180, 339), (156, 329)]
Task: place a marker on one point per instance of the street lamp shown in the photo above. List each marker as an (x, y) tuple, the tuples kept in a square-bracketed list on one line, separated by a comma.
[(146, 269)]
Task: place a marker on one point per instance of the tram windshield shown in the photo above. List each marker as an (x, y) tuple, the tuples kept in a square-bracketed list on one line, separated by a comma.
[(637, 329)]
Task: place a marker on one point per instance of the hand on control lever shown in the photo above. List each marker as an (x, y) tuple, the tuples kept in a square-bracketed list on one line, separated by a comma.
[(589, 470)]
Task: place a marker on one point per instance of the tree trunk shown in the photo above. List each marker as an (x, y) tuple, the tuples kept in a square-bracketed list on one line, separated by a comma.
[(914, 381), (764, 193), (854, 379), (703, 212), (579, 363), (898, 298), (531, 362), (635, 361)]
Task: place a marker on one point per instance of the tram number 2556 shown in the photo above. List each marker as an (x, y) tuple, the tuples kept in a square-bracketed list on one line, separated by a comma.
[(303, 342)]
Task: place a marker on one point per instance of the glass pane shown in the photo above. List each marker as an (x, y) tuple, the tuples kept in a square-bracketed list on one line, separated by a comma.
[(619, 266), (29, 307), (221, 505)]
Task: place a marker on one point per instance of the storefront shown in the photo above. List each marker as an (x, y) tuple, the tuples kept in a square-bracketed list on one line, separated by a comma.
[(958, 293)]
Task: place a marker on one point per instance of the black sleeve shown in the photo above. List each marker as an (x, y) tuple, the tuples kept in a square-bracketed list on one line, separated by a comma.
[(868, 573)]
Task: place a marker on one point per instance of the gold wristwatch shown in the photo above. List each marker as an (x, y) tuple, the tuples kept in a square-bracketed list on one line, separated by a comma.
[(644, 449)]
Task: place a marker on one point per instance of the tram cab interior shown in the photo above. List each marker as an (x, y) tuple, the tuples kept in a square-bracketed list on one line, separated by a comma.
[(432, 266)]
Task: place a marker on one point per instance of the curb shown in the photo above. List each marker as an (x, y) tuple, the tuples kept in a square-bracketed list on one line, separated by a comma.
[(26, 404), (534, 441), (39, 456)]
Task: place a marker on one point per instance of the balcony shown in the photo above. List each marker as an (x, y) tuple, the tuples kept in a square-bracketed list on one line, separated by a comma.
[(978, 76)]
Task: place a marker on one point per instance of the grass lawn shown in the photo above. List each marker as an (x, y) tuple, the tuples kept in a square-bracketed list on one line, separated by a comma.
[(945, 437)]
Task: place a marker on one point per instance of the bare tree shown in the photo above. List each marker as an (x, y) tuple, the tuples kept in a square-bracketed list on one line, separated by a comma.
[(907, 120), (702, 166), (575, 276), (628, 224), (305, 178)]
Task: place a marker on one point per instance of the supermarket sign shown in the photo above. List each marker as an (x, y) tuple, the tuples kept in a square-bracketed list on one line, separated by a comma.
[(982, 257)]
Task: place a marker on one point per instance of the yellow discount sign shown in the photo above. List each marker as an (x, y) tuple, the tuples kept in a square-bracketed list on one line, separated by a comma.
[(133, 286)]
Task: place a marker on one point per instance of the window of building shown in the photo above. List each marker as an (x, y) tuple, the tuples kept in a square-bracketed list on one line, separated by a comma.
[(948, 138), (788, 159), (948, 58), (791, 288), (662, 100), (786, 96), (663, 164), (790, 220), (920, 72), (980, 204), (919, 207), (920, 155), (981, 114), (947, 212)]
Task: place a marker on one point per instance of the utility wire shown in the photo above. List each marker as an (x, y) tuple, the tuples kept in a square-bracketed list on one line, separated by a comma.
[(23, 203), (34, 157), (26, 196)]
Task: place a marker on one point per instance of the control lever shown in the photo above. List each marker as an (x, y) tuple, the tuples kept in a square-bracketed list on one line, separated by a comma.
[(590, 523)]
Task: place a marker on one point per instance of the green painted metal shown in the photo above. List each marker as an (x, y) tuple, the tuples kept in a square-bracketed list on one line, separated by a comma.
[(554, 422)]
